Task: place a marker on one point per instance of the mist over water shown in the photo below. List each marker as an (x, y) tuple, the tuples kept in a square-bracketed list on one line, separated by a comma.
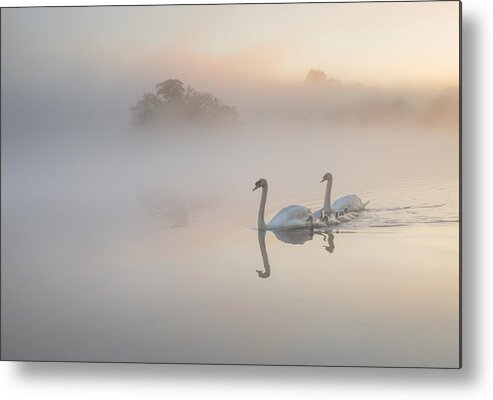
[(80, 164), (153, 236), (121, 243)]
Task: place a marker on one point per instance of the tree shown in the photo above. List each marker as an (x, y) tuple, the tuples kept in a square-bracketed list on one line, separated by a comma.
[(170, 90), (316, 76), (172, 103), (147, 108)]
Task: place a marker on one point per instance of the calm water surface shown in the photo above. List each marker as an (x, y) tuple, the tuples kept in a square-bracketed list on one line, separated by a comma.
[(170, 278)]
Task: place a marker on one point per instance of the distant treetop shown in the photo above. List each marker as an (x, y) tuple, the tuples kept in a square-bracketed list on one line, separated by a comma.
[(316, 76), (172, 103), (319, 77)]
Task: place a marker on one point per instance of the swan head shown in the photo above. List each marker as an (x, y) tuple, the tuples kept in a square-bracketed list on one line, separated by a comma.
[(326, 177), (261, 183)]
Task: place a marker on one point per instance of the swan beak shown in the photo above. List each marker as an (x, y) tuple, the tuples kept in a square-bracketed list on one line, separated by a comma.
[(323, 180), (255, 188)]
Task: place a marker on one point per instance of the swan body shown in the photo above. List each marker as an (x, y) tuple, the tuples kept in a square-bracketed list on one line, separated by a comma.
[(290, 217), (352, 202)]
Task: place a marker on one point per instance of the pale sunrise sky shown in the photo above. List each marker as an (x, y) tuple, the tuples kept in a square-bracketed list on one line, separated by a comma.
[(389, 44)]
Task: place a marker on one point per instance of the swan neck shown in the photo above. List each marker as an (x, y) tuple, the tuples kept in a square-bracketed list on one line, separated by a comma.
[(327, 202), (261, 211)]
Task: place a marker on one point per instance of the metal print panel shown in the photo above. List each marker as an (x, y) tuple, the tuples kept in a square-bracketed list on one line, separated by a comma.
[(232, 184)]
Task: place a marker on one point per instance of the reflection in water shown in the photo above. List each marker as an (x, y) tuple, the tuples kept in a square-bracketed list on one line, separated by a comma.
[(261, 242), (297, 236), (330, 240), (178, 210), (290, 237)]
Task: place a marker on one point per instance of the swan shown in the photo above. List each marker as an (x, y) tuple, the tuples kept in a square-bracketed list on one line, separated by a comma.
[(342, 217), (290, 217), (330, 221), (351, 215), (312, 225), (326, 209), (351, 202)]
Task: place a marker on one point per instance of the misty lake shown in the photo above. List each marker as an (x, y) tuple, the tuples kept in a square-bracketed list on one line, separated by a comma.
[(131, 140), (126, 247)]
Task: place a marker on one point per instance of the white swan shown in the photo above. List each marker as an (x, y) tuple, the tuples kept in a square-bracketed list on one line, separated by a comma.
[(340, 216), (345, 212), (326, 209), (351, 215), (331, 221), (290, 217), (351, 202), (312, 225)]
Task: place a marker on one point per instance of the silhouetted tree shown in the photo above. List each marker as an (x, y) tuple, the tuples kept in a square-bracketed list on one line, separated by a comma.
[(170, 90), (172, 103), (147, 109), (316, 76)]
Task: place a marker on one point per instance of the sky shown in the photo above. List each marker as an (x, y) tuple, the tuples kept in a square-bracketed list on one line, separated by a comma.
[(388, 44)]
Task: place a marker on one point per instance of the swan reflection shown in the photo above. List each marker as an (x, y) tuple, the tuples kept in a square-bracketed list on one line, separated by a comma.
[(261, 242), (290, 237), (293, 236), (178, 210), (330, 240)]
